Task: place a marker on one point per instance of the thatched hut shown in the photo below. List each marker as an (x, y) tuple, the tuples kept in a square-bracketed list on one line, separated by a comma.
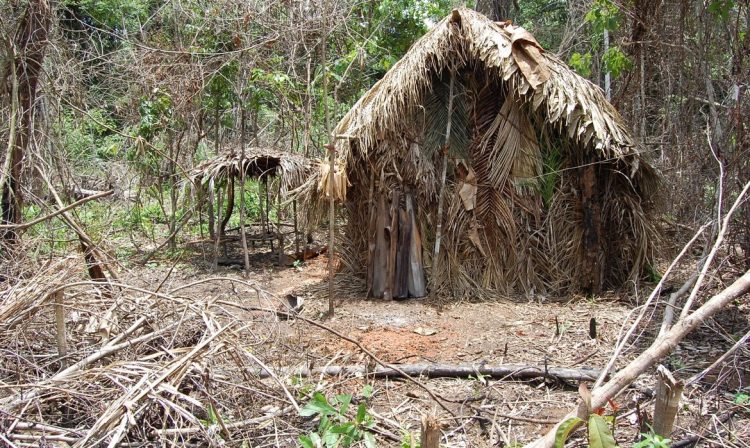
[(542, 187), (220, 175)]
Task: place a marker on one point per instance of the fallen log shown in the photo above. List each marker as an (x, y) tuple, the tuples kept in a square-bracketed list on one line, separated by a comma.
[(503, 372)]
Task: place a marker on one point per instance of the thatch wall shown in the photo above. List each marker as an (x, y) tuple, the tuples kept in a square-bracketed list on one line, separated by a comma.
[(544, 181)]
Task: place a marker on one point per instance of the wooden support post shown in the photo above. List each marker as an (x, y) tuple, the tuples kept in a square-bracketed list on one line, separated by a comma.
[(267, 230), (331, 224), (218, 235), (62, 342), (668, 395), (279, 228), (430, 432), (296, 228)]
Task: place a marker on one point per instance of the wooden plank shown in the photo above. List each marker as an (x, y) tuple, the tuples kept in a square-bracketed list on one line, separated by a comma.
[(590, 203), (391, 234), (372, 235), (401, 282), (417, 286), (381, 250)]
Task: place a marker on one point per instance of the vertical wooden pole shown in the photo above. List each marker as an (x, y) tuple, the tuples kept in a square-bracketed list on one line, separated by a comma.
[(668, 395), (268, 209), (331, 162), (296, 228), (217, 240), (62, 343), (243, 179), (439, 220), (331, 227), (279, 226)]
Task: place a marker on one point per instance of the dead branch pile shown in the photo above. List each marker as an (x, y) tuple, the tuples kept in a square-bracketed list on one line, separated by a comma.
[(140, 365)]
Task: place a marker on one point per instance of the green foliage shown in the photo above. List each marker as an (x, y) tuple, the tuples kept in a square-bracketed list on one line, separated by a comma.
[(335, 427), (651, 440), (600, 435), (113, 14), (551, 166), (565, 429), (741, 399), (545, 19), (581, 63), (155, 112), (408, 440), (652, 273), (91, 138), (615, 61), (721, 8), (603, 15)]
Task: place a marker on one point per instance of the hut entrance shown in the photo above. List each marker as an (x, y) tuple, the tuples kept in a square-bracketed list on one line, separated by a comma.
[(394, 260)]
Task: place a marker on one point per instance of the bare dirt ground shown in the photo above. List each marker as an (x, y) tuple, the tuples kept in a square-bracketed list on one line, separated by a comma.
[(489, 412)]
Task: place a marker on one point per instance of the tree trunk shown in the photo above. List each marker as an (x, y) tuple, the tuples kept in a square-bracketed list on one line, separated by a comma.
[(30, 44), (496, 10)]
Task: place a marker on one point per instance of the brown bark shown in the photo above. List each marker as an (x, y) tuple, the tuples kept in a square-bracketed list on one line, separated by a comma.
[(507, 372), (496, 9), (590, 203), (30, 43), (430, 437)]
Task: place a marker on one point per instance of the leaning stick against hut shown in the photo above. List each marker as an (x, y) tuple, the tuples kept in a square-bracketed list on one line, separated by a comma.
[(439, 220)]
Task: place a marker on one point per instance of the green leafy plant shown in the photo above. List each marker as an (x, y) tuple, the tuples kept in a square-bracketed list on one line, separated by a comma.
[(741, 399), (652, 440), (615, 61), (599, 432), (581, 63), (335, 427)]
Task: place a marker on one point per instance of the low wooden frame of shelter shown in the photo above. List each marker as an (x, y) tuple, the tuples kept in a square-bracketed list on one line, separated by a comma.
[(511, 173), (218, 176)]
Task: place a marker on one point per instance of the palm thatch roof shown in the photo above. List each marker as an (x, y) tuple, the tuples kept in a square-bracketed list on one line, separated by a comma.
[(257, 162), (568, 100), (537, 160)]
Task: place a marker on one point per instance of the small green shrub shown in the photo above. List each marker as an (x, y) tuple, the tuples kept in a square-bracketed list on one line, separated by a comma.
[(336, 428)]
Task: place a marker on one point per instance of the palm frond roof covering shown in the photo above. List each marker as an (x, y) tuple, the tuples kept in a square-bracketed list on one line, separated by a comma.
[(257, 162), (570, 102)]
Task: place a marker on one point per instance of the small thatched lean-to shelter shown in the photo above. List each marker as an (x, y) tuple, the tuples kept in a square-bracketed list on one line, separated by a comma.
[(544, 189), (221, 173)]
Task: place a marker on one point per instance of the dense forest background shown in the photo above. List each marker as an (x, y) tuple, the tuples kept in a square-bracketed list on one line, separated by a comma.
[(130, 94)]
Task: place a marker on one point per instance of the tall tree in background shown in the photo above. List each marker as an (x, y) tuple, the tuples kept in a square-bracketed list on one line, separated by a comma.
[(497, 9), (26, 56)]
